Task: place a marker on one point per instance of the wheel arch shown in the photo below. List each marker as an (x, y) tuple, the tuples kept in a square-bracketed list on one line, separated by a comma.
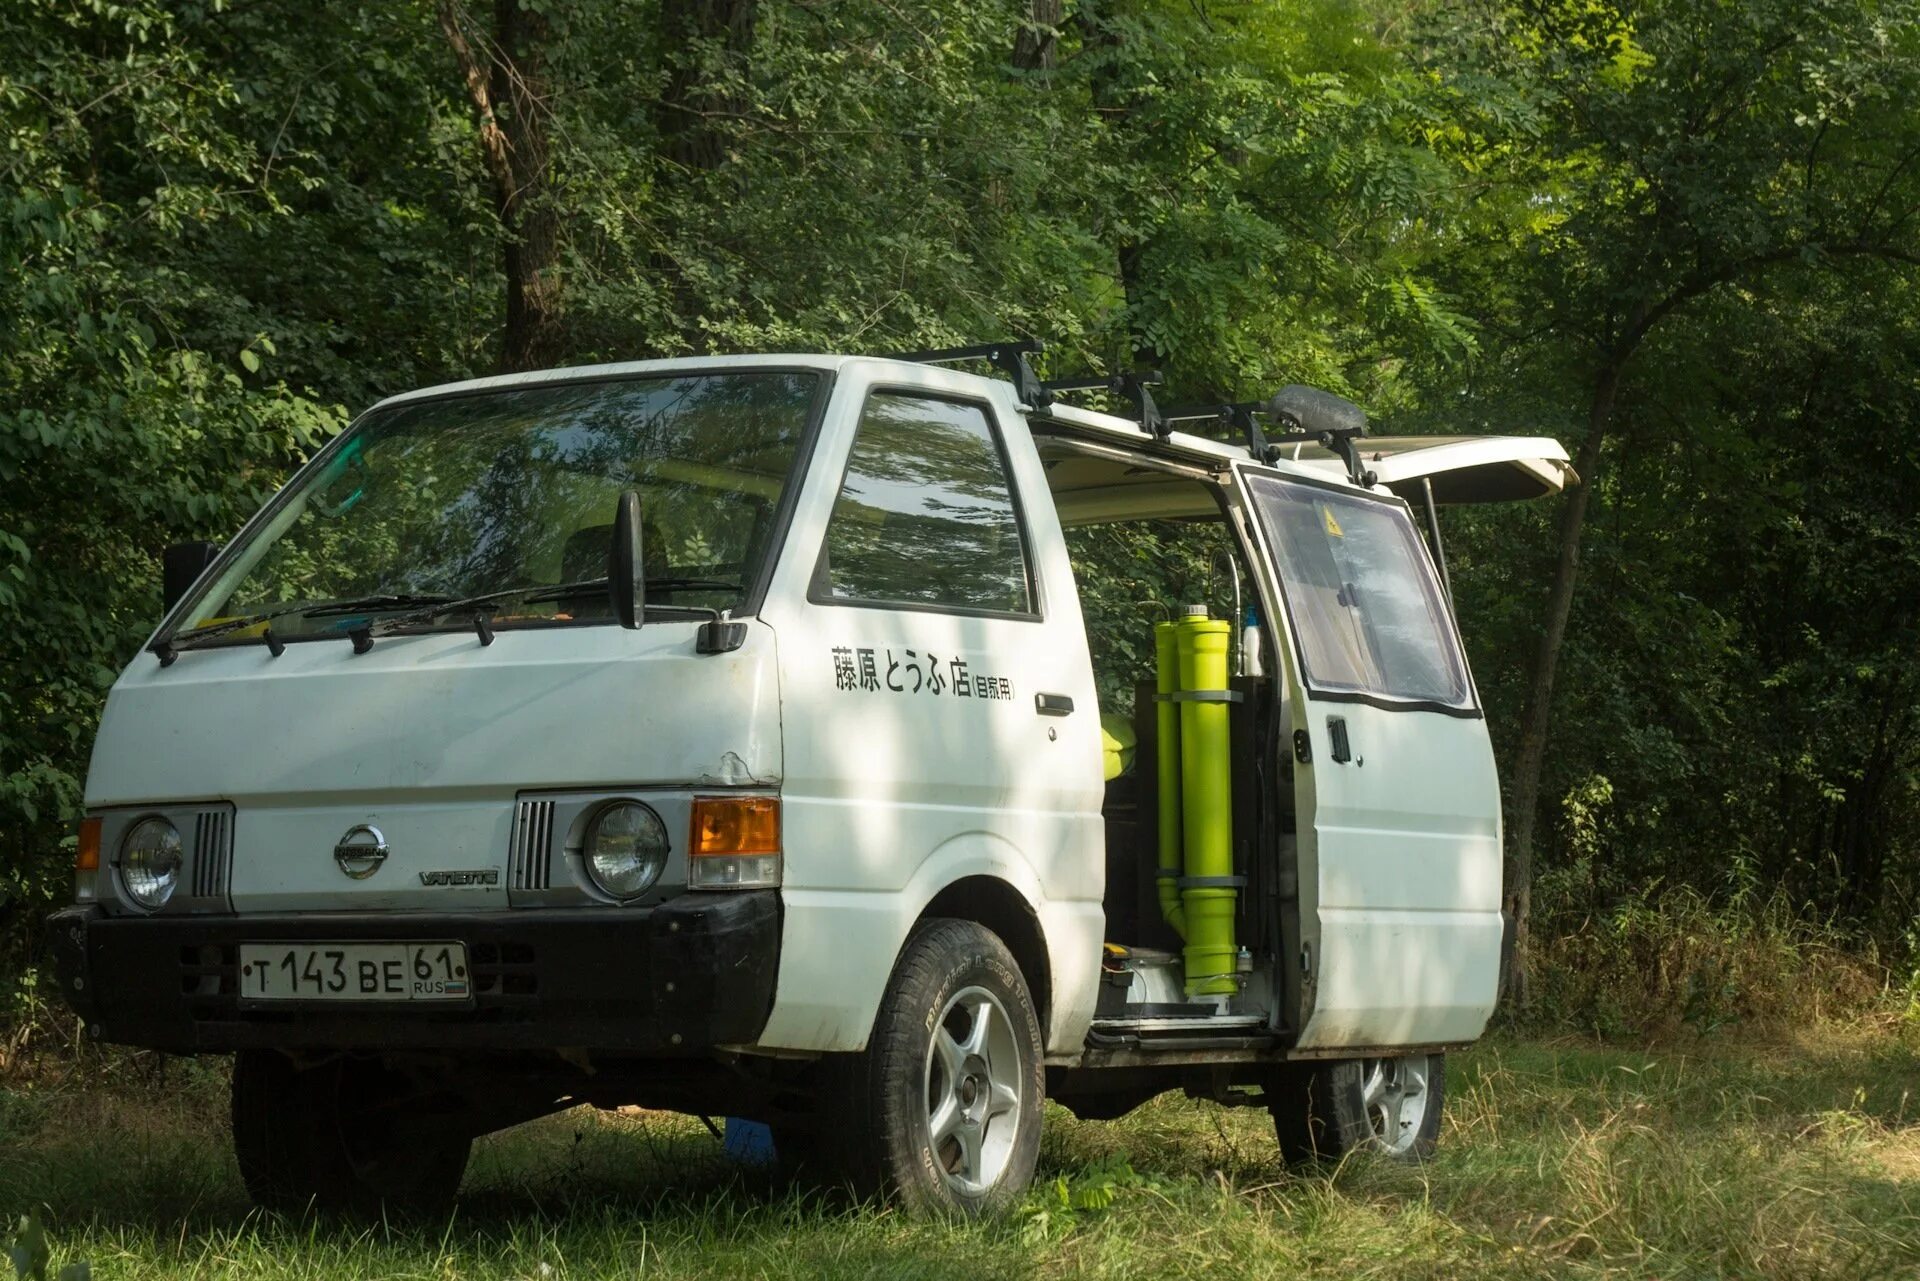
[(996, 905)]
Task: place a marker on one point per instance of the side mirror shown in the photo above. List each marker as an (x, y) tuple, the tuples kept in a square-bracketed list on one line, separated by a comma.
[(626, 572), (180, 568)]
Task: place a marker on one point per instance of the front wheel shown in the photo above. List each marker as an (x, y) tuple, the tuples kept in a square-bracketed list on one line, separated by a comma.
[(944, 1105), (352, 1135), (1388, 1105)]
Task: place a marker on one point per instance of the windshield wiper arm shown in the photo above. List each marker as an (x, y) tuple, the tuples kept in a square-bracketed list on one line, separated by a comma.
[(528, 595), (672, 584), (400, 600), (447, 605), (226, 626)]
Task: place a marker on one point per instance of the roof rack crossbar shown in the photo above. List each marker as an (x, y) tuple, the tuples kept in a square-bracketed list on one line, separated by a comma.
[(1010, 358), (1239, 416), (1133, 386)]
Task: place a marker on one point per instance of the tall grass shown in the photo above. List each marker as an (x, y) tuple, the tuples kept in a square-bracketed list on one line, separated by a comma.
[(1666, 962), (1555, 1162)]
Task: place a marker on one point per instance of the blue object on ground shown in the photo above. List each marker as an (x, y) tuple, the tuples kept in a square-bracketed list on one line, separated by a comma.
[(748, 1142)]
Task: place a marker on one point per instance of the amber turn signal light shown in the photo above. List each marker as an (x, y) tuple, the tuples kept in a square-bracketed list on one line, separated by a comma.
[(86, 855), (736, 825)]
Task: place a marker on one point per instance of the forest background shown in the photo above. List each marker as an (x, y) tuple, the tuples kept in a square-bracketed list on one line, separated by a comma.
[(1682, 236)]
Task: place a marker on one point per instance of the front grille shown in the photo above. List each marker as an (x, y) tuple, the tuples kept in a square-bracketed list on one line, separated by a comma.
[(212, 853), (208, 969), (504, 969), (531, 864)]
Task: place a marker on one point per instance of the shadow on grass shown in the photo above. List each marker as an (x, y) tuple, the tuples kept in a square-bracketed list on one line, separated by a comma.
[(158, 1182)]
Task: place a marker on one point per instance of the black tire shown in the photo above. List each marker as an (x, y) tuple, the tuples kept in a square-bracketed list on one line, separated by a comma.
[(888, 1094), (1322, 1112), (351, 1136)]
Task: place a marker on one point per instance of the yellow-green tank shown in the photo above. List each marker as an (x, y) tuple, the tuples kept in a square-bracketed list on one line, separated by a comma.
[(1206, 808)]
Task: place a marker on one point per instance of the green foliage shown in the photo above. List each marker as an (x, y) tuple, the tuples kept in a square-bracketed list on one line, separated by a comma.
[(31, 1254), (225, 227), (1057, 1209)]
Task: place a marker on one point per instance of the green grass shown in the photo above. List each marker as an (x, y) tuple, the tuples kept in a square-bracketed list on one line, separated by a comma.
[(1557, 1160)]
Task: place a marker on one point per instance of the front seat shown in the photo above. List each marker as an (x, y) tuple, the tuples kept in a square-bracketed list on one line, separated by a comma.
[(584, 555)]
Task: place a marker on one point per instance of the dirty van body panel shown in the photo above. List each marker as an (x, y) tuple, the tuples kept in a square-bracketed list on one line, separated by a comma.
[(428, 738), (1398, 800), (898, 782)]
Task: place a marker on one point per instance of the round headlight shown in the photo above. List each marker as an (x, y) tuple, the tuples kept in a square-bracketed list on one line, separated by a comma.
[(626, 848), (150, 862)]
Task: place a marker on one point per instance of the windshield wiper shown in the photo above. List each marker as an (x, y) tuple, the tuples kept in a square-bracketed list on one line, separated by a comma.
[(167, 645), (392, 601), (363, 636)]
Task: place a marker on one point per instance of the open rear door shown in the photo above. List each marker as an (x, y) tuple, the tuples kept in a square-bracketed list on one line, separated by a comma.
[(1461, 469), (1397, 797)]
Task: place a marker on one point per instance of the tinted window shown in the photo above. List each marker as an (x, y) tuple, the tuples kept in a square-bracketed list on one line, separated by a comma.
[(1362, 593), (925, 516)]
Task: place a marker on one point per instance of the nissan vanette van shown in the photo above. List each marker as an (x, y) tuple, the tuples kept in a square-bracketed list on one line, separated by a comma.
[(724, 735)]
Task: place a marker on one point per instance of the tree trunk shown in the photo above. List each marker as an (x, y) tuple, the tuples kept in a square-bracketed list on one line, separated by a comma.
[(1034, 48), (695, 95), (1535, 721), (1113, 101), (533, 338), (508, 88)]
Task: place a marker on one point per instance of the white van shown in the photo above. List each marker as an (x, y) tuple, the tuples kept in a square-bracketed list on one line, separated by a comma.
[(722, 735)]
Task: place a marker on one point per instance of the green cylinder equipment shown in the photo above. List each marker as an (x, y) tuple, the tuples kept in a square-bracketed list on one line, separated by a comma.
[(1207, 893), (1167, 772)]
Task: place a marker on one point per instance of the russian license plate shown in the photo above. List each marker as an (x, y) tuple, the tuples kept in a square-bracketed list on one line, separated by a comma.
[(354, 972)]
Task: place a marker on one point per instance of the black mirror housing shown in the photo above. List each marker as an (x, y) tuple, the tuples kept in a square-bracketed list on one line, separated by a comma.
[(626, 572), (181, 565)]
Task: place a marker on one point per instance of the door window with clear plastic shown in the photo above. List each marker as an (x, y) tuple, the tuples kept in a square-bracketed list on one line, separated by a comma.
[(1366, 606), (926, 515)]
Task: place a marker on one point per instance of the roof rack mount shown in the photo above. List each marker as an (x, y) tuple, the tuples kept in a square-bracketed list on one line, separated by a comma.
[(1133, 386), (1009, 357)]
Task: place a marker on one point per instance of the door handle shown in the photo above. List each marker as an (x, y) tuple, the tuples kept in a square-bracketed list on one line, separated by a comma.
[(1337, 731), (1053, 704)]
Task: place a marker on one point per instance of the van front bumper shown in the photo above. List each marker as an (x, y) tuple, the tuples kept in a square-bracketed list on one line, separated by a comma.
[(679, 978)]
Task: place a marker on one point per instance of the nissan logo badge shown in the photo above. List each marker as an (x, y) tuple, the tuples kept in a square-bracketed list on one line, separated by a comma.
[(361, 851)]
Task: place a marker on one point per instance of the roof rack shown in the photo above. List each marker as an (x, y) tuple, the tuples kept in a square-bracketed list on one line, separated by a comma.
[(1305, 415), (1010, 358)]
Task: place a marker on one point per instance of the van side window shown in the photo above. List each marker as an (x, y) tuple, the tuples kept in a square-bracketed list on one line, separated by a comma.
[(1361, 590), (926, 515)]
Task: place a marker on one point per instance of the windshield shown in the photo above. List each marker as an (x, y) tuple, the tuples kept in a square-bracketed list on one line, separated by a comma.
[(514, 492)]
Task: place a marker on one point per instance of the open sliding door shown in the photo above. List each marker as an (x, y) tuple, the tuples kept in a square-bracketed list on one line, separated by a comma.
[(1398, 799)]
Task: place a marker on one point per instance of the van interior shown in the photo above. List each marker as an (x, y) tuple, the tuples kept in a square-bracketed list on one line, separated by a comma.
[(1170, 518)]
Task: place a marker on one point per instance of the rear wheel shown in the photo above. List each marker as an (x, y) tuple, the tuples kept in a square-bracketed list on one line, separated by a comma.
[(945, 1103), (1386, 1105), (351, 1135)]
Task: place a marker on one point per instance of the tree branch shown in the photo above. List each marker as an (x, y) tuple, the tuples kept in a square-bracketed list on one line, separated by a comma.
[(493, 140)]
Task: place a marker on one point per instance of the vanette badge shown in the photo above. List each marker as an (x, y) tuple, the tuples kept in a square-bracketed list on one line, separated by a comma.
[(361, 851), (464, 876)]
